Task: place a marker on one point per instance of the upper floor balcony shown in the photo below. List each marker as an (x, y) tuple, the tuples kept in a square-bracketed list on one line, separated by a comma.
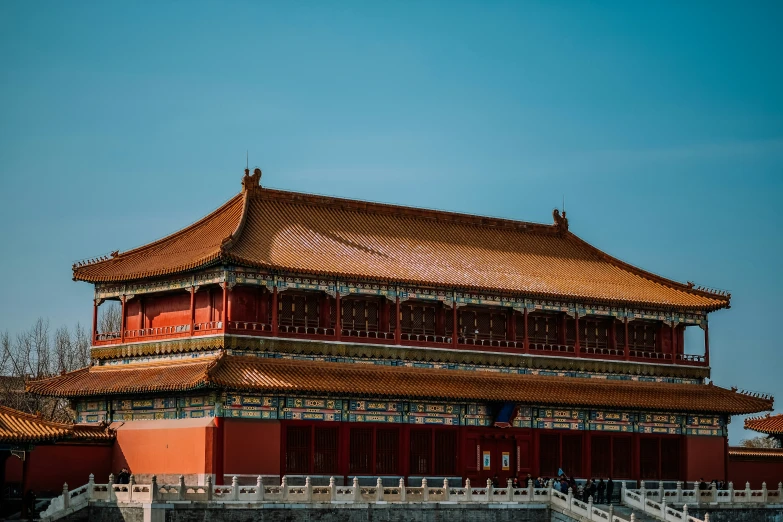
[(316, 315)]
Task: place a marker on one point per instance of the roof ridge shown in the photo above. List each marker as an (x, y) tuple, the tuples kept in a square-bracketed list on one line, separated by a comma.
[(404, 210), (117, 254)]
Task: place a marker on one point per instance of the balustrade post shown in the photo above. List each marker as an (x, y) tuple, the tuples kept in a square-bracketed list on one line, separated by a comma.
[(425, 491), (678, 498), (780, 492), (308, 490), (333, 489), (510, 487), (402, 490), (468, 491), (763, 492), (379, 490), (131, 483), (489, 490), (208, 487), (660, 490), (570, 498), (154, 488), (66, 496), (731, 492), (696, 493), (446, 489), (111, 496), (706, 517), (611, 513), (357, 492), (633, 517), (260, 488), (713, 493), (284, 487), (747, 492), (530, 490), (663, 509), (90, 486), (590, 507), (181, 488), (643, 493), (234, 488), (685, 512)]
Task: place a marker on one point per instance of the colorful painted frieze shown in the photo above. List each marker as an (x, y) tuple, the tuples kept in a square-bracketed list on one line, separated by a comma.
[(435, 413), (303, 283), (489, 300), (347, 289), (376, 411), (711, 425), (559, 419), (612, 421), (250, 406), (315, 409), (660, 423), (524, 417), (477, 415)]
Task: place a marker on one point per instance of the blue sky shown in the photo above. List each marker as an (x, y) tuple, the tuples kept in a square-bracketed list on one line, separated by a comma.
[(661, 124)]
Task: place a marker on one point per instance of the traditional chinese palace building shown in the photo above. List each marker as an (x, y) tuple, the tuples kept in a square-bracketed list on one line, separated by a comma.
[(293, 334)]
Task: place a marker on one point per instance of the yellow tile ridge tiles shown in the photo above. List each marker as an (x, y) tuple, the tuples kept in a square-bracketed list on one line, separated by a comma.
[(741, 451), (284, 376), (769, 424), (341, 238)]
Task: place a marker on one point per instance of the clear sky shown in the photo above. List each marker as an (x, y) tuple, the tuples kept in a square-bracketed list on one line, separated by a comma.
[(660, 123)]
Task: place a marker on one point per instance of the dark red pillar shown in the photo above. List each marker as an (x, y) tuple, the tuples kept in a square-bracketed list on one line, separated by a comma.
[(397, 325), (454, 325), (122, 320), (225, 306), (192, 309), (338, 314), (511, 326), (706, 342), (577, 347), (94, 320), (626, 348), (525, 332), (274, 311)]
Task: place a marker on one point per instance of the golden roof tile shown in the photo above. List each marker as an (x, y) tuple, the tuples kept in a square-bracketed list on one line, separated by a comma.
[(769, 453), (769, 424), (344, 238), (20, 427)]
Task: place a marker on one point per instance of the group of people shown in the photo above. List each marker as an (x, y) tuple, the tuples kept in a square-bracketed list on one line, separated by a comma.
[(717, 484), (601, 491)]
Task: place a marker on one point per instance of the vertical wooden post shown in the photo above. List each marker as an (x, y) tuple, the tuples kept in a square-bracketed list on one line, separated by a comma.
[(673, 349), (225, 306), (397, 322), (511, 326), (454, 326), (122, 320), (706, 342), (94, 320), (526, 330), (192, 309), (274, 310), (577, 346), (626, 348), (338, 328)]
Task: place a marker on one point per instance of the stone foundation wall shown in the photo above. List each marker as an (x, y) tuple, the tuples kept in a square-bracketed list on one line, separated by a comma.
[(757, 514)]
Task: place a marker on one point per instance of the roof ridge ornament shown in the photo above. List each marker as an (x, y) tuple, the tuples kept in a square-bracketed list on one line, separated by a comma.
[(561, 222), (251, 182)]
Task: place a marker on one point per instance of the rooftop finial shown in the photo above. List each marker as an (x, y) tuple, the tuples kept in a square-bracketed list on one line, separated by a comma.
[(250, 182), (561, 222)]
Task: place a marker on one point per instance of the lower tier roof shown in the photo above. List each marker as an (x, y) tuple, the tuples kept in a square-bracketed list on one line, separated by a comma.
[(17, 427), (769, 424), (292, 376)]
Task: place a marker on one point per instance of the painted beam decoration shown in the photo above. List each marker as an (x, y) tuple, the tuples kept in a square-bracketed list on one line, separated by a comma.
[(376, 411), (613, 421), (313, 409), (559, 419), (250, 406)]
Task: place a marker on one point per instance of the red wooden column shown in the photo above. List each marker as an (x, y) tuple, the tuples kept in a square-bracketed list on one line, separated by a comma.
[(192, 309), (525, 330), (577, 347), (94, 320), (338, 315), (673, 350), (511, 326), (626, 348), (706, 342), (454, 326), (225, 306), (122, 320), (397, 323), (274, 311)]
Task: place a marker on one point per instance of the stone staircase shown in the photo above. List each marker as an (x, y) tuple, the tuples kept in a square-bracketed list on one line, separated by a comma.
[(625, 512)]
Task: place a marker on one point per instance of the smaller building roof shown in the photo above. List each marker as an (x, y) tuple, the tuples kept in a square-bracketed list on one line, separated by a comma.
[(766, 453), (17, 427), (268, 375), (769, 424)]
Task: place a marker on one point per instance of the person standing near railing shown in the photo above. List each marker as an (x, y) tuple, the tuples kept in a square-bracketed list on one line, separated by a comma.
[(609, 490)]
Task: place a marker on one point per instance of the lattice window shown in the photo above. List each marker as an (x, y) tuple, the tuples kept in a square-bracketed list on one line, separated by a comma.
[(418, 318), (387, 451), (445, 452), (298, 309), (595, 333), (325, 455), (619, 333), (360, 452), (297, 450), (621, 457), (360, 314), (420, 452), (519, 323), (643, 336), (601, 456), (543, 328), (570, 331), (498, 326), (393, 318)]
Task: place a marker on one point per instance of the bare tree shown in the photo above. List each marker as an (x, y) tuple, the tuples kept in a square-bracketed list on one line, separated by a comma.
[(760, 442), (110, 319)]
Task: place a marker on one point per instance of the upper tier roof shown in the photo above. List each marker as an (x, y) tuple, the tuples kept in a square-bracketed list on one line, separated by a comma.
[(769, 424), (345, 238)]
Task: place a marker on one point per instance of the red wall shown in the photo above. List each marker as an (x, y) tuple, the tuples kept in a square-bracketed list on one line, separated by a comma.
[(755, 471), (49, 467), (251, 447), (170, 310), (705, 458), (167, 448)]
